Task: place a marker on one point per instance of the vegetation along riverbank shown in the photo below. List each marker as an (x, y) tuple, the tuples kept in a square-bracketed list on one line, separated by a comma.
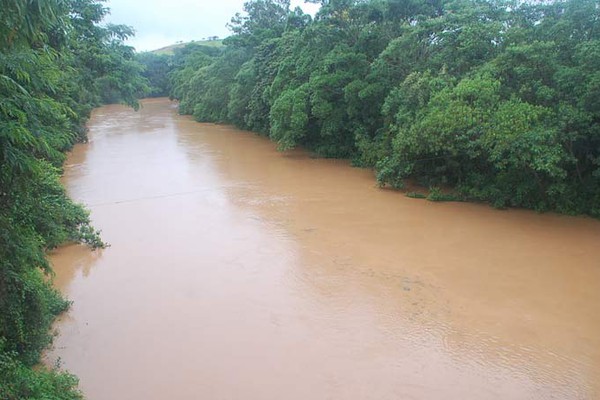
[(57, 62), (496, 99)]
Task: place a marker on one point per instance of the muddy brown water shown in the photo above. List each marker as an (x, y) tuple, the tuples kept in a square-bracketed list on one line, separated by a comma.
[(237, 272)]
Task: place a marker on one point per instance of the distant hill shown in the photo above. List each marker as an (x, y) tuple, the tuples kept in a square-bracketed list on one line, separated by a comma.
[(170, 49)]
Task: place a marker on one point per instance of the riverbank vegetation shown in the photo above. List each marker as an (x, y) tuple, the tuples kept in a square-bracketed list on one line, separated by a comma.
[(57, 62), (499, 100)]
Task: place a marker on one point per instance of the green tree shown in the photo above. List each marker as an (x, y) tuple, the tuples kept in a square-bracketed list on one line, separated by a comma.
[(156, 70), (50, 78)]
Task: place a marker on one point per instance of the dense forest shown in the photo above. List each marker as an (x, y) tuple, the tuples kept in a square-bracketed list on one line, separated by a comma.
[(495, 101), (57, 62)]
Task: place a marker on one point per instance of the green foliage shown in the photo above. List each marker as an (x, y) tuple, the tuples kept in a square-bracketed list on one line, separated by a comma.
[(240, 94), (56, 64), (188, 75), (214, 88), (497, 99), (263, 19), (437, 194), (416, 195), (21, 382), (289, 117), (156, 71)]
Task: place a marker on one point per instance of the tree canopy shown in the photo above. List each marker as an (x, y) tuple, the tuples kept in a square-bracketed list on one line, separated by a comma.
[(497, 100)]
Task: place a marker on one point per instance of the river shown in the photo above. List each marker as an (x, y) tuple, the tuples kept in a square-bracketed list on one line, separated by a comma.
[(239, 272)]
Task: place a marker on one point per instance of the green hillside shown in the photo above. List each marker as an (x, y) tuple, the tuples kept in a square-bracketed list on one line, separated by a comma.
[(171, 48)]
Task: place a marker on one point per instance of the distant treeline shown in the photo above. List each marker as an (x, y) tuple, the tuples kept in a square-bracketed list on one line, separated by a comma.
[(499, 100), (56, 64)]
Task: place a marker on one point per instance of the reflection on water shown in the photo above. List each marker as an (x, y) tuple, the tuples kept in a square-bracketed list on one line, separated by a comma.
[(75, 262), (237, 272)]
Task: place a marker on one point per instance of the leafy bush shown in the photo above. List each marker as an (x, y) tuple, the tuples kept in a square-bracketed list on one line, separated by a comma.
[(56, 64)]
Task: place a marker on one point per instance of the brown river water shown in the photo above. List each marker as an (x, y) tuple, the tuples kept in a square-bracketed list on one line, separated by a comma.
[(237, 272)]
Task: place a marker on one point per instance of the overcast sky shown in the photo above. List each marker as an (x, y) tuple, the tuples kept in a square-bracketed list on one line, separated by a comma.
[(159, 23)]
